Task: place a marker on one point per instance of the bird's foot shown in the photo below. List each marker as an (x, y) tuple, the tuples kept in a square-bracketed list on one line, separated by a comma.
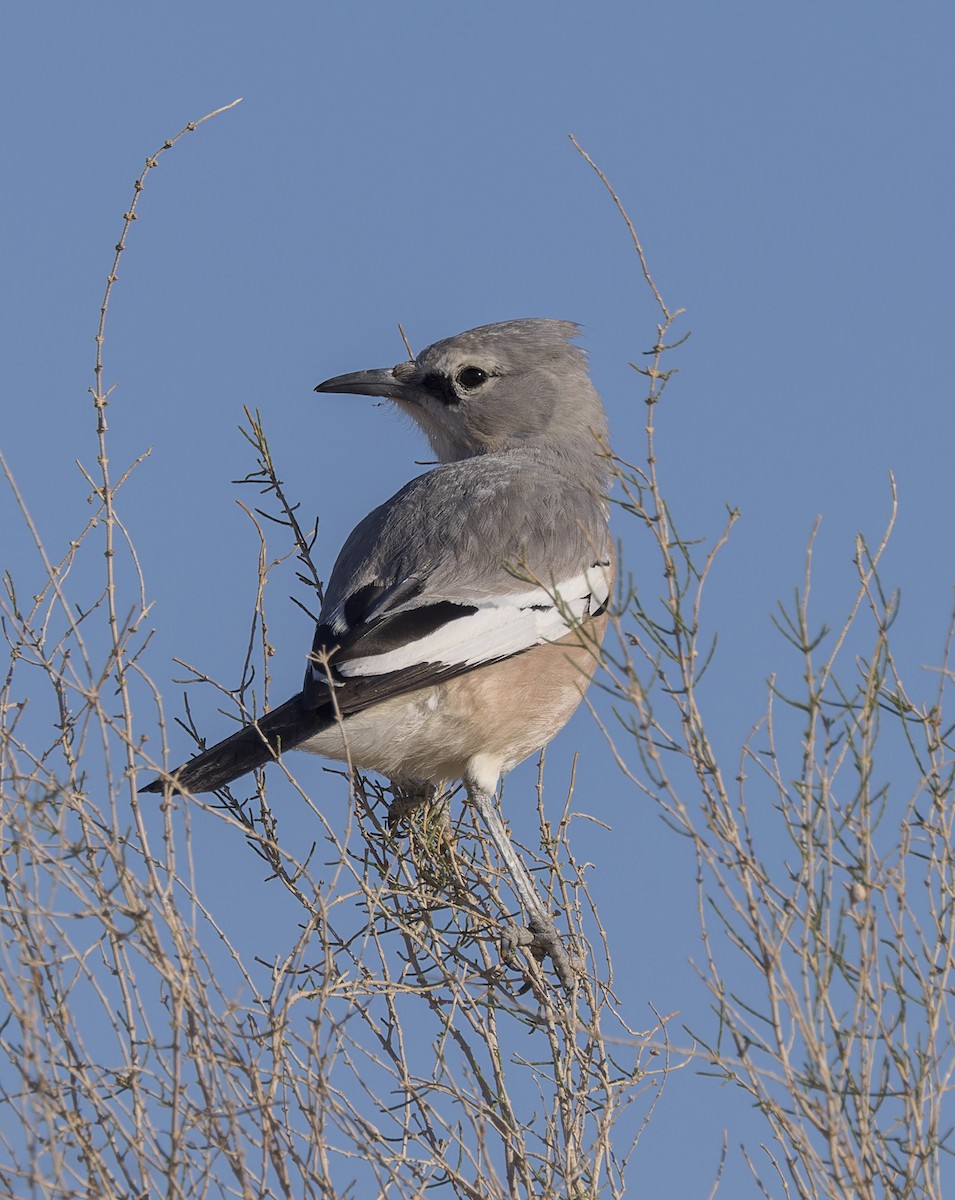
[(540, 936), (407, 799)]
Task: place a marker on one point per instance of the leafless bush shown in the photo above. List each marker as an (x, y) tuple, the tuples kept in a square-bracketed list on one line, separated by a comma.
[(382, 1044)]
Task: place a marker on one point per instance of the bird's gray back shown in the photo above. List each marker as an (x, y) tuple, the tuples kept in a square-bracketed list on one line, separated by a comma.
[(487, 517)]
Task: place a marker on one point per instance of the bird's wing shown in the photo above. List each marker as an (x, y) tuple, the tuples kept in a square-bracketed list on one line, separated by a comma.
[(468, 565)]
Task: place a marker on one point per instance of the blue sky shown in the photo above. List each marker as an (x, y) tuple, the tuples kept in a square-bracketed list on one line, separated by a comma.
[(790, 172)]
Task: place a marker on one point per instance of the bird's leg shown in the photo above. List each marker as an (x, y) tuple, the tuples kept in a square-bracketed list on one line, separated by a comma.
[(408, 795), (540, 923)]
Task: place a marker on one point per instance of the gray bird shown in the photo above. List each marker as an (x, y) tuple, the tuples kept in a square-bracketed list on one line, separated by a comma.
[(463, 617)]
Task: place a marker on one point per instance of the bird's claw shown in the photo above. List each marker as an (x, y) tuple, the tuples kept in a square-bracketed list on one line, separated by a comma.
[(540, 936)]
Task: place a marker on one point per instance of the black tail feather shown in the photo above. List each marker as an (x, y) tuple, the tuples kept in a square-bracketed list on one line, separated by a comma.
[(251, 747)]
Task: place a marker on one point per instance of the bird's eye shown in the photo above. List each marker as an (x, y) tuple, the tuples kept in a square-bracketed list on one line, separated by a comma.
[(471, 377)]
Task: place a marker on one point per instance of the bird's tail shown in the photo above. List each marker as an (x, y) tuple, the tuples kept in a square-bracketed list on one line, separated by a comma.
[(251, 747)]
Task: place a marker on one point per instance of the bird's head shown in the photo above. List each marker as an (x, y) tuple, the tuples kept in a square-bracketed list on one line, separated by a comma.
[(492, 389)]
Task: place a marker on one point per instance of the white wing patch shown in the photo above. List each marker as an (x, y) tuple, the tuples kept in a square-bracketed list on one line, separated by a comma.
[(502, 626)]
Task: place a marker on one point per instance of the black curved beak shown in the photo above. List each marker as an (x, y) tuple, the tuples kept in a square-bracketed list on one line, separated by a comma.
[(393, 383)]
